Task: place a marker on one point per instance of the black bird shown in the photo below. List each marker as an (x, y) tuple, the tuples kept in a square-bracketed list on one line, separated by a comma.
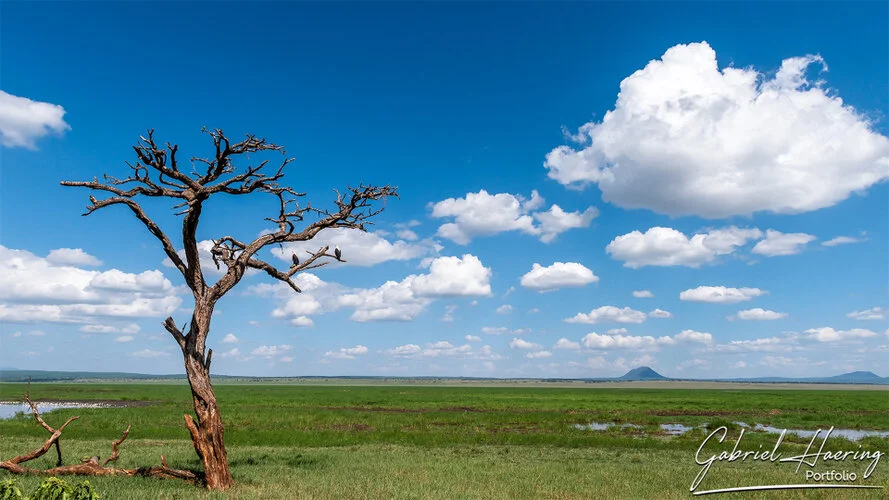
[(337, 253), (295, 259)]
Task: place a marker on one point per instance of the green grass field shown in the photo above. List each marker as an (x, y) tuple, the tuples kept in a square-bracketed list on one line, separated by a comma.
[(421, 441)]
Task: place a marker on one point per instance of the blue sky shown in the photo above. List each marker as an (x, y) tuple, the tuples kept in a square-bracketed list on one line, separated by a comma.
[(709, 154)]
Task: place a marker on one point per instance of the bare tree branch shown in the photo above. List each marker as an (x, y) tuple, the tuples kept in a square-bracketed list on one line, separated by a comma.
[(157, 173)]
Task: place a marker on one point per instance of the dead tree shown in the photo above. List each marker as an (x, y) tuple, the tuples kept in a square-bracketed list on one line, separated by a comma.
[(157, 173), (89, 466)]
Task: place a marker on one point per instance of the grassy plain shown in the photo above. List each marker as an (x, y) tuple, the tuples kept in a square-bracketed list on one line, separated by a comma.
[(457, 441)]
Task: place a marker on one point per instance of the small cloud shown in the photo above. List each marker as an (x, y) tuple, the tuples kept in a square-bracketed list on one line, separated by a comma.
[(777, 243), (875, 313), (23, 121), (518, 343), (842, 240), (720, 294), (659, 313), (302, 321), (608, 314), (232, 353), (757, 314), (538, 355), (346, 352), (504, 309), (271, 351), (566, 344), (407, 234), (124, 338), (643, 294), (449, 313), (72, 257), (472, 338), (230, 339), (150, 354), (827, 334)]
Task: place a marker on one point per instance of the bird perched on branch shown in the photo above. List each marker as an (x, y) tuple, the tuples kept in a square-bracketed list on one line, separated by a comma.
[(295, 259), (337, 253)]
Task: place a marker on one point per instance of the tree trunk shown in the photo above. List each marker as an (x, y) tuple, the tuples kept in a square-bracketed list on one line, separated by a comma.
[(207, 432)]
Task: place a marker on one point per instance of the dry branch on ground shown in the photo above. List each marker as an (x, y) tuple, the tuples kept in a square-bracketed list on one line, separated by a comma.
[(92, 465)]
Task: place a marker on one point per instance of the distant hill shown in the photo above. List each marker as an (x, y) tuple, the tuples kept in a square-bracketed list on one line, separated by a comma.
[(13, 375), (642, 373), (859, 377)]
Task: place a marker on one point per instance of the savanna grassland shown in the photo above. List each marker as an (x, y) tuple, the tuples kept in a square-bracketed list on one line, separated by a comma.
[(461, 441)]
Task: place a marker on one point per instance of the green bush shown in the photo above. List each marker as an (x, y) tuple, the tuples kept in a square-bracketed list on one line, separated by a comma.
[(9, 491), (51, 489)]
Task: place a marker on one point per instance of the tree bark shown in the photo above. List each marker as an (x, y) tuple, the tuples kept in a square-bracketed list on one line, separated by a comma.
[(207, 434)]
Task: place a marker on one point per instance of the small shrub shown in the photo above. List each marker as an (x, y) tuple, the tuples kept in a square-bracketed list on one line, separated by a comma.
[(9, 491), (54, 488)]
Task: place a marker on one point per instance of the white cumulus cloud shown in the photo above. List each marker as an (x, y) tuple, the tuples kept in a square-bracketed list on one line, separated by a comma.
[(686, 138), (760, 314), (594, 340), (72, 257), (23, 121), (484, 214), (720, 294), (778, 243), (558, 275), (606, 314), (664, 246), (517, 343), (874, 313), (827, 334)]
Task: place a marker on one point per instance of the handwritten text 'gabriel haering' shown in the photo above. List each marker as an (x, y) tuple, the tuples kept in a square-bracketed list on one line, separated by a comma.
[(808, 458)]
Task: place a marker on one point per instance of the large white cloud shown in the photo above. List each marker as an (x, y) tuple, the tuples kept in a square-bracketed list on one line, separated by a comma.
[(606, 314), (34, 289), (403, 300), (558, 275), (360, 248), (664, 246), (685, 138), (23, 121), (778, 243), (484, 214), (720, 294)]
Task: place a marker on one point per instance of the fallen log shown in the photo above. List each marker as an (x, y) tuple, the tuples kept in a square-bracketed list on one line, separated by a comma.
[(90, 466)]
